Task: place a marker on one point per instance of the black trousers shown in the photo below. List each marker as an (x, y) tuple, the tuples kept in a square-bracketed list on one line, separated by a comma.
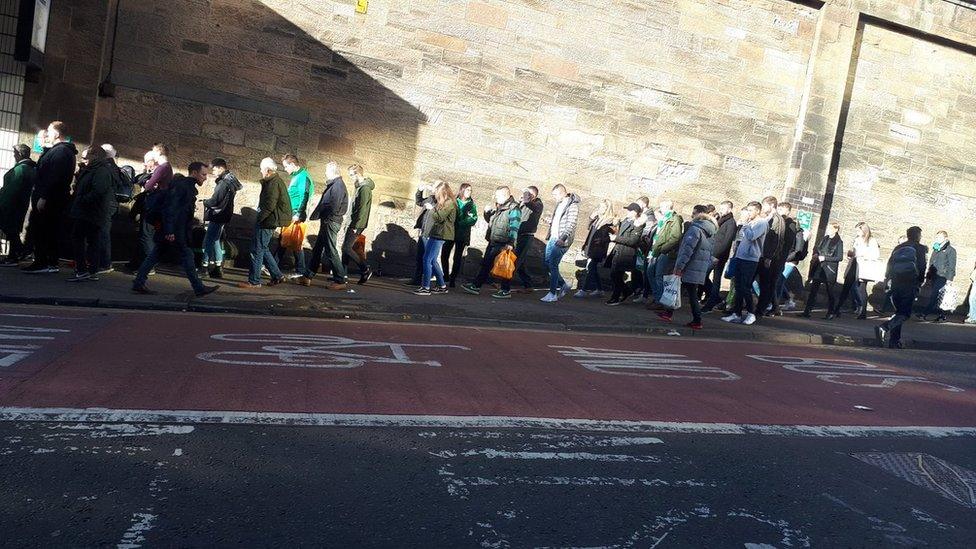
[(768, 276), (418, 270), (327, 245), (452, 255), (44, 232), (486, 265), (830, 286), (692, 291), (87, 244), (902, 299), (849, 289), (522, 244), (348, 254)]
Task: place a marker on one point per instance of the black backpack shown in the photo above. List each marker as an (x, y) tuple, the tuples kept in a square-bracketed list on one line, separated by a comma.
[(154, 205), (124, 184)]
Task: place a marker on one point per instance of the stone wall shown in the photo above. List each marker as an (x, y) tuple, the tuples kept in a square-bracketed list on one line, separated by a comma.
[(699, 100)]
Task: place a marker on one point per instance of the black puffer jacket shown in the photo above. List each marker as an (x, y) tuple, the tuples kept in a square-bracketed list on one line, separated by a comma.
[(94, 199), (625, 246), (724, 237)]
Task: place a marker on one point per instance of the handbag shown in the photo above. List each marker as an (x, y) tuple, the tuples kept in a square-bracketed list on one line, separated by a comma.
[(581, 259), (671, 296), (872, 270), (731, 268), (504, 266), (948, 298), (293, 236)]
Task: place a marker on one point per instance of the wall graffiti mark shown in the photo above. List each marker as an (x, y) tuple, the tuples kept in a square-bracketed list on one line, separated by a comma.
[(850, 372), (317, 351), (643, 364)]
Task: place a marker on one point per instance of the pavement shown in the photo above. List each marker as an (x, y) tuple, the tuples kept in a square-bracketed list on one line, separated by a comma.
[(159, 428), (389, 300)]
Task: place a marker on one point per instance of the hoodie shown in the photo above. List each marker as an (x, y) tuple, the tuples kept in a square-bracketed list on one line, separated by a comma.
[(695, 251), (564, 220), (55, 170), (219, 208), (18, 183), (94, 199)]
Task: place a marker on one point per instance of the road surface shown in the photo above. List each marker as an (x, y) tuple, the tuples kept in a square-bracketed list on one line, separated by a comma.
[(160, 429)]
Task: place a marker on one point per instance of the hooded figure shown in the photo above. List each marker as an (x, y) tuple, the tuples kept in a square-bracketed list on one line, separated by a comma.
[(695, 251)]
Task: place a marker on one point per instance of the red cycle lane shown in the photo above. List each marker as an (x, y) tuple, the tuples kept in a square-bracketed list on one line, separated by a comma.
[(163, 361)]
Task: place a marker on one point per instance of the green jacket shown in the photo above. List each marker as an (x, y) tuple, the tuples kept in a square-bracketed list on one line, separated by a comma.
[(300, 188), (503, 223), (668, 237), (15, 195), (443, 219), (274, 207), (362, 203), (467, 217)]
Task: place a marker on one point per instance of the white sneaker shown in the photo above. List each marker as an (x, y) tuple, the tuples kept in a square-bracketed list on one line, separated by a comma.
[(549, 298), (749, 319), (582, 293), (564, 290), (970, 321), (293, 276), (789, 306), (734, 318)]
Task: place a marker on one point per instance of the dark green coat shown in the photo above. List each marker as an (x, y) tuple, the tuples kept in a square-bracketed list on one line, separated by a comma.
[(668, 237), (443, 219), (467, 217), (15, 195), (362, 204), (94, 198), (274, 205)]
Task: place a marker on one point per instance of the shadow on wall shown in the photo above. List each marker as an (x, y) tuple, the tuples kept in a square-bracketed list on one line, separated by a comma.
[(253, 85)]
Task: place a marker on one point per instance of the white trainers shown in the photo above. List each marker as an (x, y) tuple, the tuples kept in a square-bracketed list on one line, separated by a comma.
[(549, 298), (733, 318), (582, 293), (789, 306), (563, 290), (749, 319)]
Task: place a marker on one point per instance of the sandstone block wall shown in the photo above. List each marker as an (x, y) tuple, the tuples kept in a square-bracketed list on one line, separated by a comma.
[(855, 110)]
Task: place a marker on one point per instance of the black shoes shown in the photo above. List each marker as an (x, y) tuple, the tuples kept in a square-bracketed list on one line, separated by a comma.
[(207, 290), (217, 273), (364, 278)]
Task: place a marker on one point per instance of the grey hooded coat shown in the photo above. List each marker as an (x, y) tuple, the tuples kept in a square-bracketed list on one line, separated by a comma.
[(695, 251)]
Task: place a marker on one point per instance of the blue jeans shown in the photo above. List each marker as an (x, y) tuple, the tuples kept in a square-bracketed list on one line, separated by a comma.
[(745, 275), (972, 303), (432, 262), (261, 255), (213, 251), (592, 281), (301, 266), (663, 265), (186, 260), (554, 255)]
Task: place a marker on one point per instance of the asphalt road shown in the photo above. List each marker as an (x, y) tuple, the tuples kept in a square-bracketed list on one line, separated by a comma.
[(159, 429)]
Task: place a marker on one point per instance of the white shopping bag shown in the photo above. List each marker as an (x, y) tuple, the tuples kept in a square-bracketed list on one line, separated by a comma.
[(948, 298), (671, 296)]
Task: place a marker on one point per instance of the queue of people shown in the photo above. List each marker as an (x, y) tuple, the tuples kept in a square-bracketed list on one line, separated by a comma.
[(648, 250)]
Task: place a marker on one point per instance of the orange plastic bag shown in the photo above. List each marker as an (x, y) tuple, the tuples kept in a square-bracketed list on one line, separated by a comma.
[(504, 267), (359, 247), (293, 236)]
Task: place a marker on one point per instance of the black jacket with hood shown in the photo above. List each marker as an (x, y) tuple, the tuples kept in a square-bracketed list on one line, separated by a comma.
[(724, 237), (55, 170), (219, 208)]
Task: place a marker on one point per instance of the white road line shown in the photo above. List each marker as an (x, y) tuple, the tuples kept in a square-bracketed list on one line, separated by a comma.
[(103, 415)]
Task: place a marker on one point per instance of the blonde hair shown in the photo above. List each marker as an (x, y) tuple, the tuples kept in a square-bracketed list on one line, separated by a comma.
[(443, 193)]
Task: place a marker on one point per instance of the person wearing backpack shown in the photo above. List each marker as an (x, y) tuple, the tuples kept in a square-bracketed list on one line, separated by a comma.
[(503, 220), (218, 210), (273, 213), (694, 260), (902, 282), (300, 188), (15, 195), (172, 215)]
